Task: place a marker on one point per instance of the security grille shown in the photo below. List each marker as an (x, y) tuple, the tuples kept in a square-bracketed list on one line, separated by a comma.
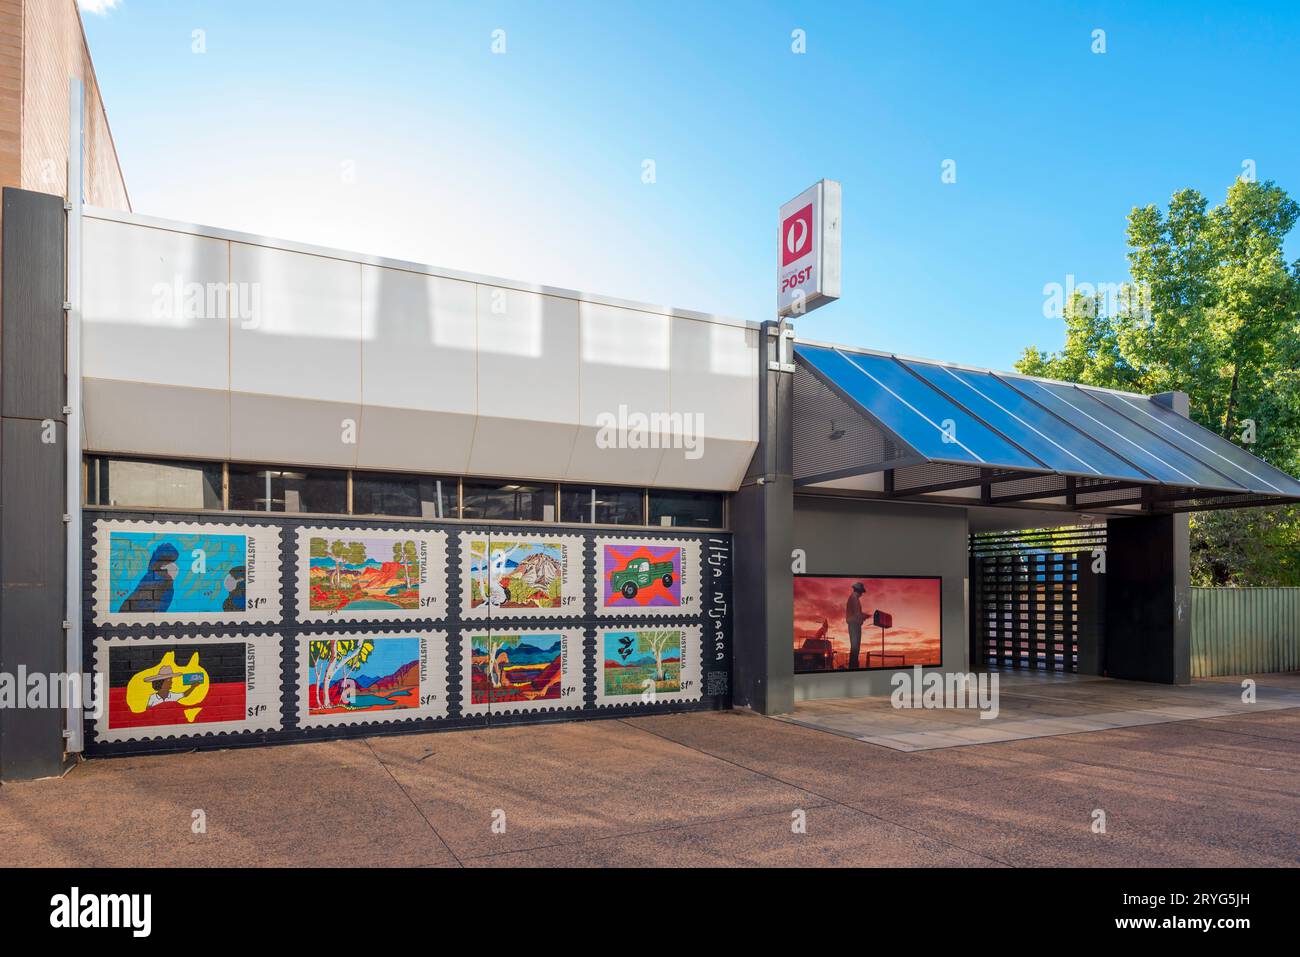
[(1025, 610)]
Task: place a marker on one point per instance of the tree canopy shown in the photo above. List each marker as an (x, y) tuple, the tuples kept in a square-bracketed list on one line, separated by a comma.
[(1212, 309)]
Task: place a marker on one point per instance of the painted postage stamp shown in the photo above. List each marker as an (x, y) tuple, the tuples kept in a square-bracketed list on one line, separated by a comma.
[(648, 664), (520, 575), (174, 688), (367, 574), (348, 678), (176, 573), (527, 669), (647, 576)]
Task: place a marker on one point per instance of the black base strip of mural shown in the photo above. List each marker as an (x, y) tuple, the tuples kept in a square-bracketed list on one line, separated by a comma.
[(205, 632)]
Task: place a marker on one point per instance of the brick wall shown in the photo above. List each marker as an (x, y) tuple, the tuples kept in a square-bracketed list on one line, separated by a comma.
[(54, 49), (11, 84)]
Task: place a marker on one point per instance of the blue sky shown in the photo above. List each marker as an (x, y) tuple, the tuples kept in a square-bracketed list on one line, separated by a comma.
[(390, 127)]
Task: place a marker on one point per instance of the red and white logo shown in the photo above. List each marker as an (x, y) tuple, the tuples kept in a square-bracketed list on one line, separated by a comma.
[(797, 235)]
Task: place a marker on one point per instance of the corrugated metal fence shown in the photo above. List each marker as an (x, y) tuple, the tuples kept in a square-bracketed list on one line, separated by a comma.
[(1237, 631)]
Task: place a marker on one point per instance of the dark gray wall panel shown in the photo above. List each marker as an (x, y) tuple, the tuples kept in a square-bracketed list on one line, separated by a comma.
[(1148, 599), (31, 340), (32, 533)]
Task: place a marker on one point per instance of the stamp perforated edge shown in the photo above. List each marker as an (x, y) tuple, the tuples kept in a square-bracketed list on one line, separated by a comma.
[(267, 541), (572, 681), (692, 670), (575, 586), (692, 575), (266, 658), (435, 643), (436, 584)]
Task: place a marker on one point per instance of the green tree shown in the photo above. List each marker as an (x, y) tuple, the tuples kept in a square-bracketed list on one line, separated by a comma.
[(1213, 310)]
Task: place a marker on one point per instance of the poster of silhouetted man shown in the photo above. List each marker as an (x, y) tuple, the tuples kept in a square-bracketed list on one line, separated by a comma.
[(854, 616)]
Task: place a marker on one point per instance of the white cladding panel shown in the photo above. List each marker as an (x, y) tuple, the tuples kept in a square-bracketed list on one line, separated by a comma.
[(418, 339), (226, 345), (154, 306), (305, 339), (527, 356)]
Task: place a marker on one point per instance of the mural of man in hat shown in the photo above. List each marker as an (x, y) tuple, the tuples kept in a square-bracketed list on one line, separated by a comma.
[(162, 687), (854, 616)]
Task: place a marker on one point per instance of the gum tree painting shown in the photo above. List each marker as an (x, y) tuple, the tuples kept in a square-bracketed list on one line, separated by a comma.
[(656, 643), (496, 643), (637, 659), (404, 554), (335, 659)]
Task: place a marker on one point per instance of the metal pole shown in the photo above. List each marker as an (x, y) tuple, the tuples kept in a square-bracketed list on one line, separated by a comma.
[(73, 731)]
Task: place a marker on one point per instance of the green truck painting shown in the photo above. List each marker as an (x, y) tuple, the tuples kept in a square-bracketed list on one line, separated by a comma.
[(640, 573)]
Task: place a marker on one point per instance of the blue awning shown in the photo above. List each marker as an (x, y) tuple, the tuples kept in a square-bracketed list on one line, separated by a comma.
[(995, 426)]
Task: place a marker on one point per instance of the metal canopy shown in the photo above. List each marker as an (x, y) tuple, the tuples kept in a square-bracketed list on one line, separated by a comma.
[(934, 431)]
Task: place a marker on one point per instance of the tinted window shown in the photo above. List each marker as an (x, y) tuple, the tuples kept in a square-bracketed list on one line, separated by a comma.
[(288, 490), (146, 483), (509, 501), (703, 509), (602, 505), (419, 496)]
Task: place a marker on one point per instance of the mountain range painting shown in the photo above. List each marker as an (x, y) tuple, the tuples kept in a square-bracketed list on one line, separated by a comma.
[(514, 574), (363, 574), (374, 674), (525, 667), (633, 659)]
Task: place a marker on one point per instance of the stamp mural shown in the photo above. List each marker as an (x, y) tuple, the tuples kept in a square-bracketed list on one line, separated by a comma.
[(165, 688), (358, 574), (648, 665), (154, 572), (647, 577), (363, 678), (522, 670), (511, 576)]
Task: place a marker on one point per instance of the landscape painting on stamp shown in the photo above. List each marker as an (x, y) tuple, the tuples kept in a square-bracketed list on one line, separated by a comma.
[(362, 574), (361, 677), (633, 659), (518, 667), (363, 674), (510, 575), (648, 664)]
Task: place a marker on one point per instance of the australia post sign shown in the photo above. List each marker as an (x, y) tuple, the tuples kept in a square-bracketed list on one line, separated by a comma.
[(808, 253)]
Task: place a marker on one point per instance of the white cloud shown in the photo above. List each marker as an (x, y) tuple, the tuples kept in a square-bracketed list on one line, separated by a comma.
[(98, 7)]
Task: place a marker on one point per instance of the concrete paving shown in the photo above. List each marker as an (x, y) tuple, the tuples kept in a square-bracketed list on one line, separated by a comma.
[(708, 789), (1042, 704)]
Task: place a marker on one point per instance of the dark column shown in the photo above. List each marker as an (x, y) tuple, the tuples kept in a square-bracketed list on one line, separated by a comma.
[(32, 463), (763, 520), (1149, 591)]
